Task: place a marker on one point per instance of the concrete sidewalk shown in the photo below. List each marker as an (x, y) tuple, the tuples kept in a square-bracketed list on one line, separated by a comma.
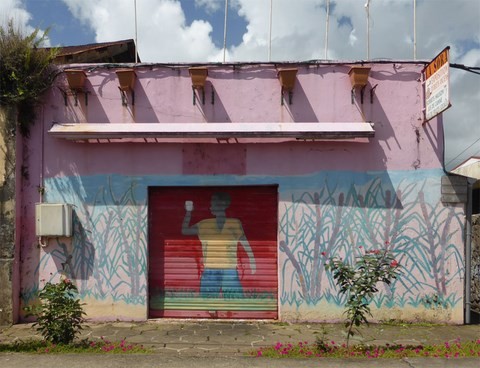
[(229, 342)]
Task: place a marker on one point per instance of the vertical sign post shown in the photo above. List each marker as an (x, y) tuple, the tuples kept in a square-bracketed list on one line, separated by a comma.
[(437, 90)]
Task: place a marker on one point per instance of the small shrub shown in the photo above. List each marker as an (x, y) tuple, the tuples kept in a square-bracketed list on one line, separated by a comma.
[(59, 314), (359, 282)]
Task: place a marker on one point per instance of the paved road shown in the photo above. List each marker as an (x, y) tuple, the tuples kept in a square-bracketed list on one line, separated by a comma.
[(177, 361), (197, 344)]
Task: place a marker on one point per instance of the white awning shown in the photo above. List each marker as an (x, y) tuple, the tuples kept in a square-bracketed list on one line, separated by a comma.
[(89, 131)]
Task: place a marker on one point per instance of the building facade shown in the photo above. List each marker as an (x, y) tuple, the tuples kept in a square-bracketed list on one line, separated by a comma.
[(225, 197)]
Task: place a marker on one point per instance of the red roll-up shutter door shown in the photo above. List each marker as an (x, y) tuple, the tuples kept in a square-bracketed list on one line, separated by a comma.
[(227, 266)]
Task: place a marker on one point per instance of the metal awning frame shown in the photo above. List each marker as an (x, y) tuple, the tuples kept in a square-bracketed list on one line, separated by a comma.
[(87, 131)]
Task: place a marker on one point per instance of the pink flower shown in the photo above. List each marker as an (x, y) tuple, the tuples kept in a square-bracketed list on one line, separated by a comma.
[(394, 263), (259, 353)]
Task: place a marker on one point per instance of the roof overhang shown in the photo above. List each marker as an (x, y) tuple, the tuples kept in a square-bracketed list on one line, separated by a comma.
[(469, 168), (95, 131)]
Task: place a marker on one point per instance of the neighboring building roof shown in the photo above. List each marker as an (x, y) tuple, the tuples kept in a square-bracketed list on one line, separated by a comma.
[(107, 52), (469, 168)]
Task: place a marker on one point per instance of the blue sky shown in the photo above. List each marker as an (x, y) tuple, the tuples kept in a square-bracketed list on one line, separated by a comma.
[(67, 30), (192, 31), (54, 14)]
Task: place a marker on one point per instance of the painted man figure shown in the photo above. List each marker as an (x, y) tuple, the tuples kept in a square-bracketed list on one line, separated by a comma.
[(219, 237)]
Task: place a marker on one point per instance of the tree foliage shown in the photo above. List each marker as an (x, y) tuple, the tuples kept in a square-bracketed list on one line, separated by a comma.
[(60, 313), (26, 71), (360, 281)]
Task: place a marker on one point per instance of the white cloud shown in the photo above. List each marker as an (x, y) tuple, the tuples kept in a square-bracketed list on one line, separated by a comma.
[(163, 35), (297, 30), (352, 39), (210, 6), (471, 58), (14, 10)]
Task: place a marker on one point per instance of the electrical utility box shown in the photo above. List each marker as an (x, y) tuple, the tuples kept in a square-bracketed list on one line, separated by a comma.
[(53, 219)]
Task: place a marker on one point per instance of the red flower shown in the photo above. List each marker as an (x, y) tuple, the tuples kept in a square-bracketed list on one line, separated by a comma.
[(324, 254), (394, 263)]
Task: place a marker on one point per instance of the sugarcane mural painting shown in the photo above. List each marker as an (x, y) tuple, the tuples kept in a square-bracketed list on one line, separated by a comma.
[(317, 219), (316, 226), (106, 257)]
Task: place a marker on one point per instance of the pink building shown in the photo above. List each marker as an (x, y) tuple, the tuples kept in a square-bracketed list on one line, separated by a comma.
[(224, 198)]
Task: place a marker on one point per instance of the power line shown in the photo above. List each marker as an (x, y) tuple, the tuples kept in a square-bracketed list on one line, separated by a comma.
[(471, 69), (462, 152)]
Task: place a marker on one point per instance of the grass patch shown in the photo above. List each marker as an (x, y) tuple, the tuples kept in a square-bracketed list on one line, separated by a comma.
[(325, 349), (395, 322), (102, 346)]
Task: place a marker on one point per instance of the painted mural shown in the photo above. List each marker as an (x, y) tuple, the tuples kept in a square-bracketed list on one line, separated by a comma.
[(219, 237), (213, 252), (106, 257), (405, 217), (319, 216)]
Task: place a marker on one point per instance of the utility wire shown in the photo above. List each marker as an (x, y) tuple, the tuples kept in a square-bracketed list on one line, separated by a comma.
[(461, 153), (471, 69)]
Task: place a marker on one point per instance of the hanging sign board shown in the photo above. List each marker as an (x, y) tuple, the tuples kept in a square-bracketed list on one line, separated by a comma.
[(437, 91)]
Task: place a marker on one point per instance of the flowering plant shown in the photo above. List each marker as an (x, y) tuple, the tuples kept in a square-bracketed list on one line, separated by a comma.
[(59, 314), (359, 282)]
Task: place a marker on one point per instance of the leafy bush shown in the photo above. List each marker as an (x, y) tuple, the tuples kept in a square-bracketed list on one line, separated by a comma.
[(26, 71), (359, 282), (59, 314)]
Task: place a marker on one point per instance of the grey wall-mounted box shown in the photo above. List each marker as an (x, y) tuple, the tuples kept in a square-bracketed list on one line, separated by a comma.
[(53, 219)]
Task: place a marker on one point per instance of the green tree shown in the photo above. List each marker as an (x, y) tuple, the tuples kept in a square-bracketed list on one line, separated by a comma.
[(26, 71), (359, 282)]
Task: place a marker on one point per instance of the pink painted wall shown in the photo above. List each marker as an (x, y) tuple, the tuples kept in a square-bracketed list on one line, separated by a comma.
[(251, 93), (96, 177)]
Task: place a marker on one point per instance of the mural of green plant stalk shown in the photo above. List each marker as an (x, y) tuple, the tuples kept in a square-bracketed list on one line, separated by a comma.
[(107, 256), (330, 222), (323, 215)]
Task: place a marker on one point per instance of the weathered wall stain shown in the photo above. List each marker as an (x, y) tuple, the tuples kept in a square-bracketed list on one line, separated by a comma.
[(7, 211)]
